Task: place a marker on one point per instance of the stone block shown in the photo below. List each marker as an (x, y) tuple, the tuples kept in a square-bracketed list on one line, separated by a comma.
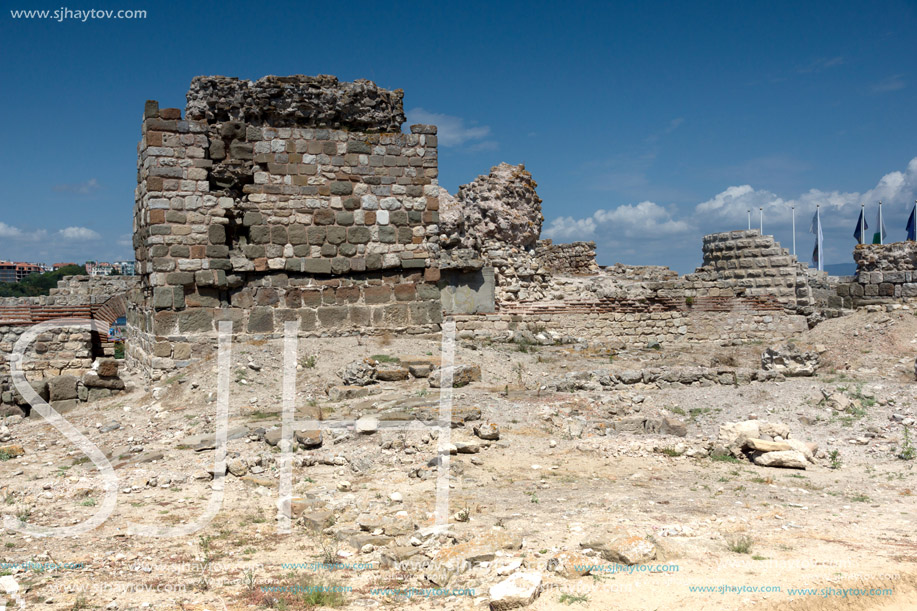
[(62, 388), (332, 317), (199, 320), (261, 320), (317, 266)]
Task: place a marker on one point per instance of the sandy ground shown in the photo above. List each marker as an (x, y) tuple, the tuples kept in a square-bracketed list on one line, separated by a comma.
[(843, 528)]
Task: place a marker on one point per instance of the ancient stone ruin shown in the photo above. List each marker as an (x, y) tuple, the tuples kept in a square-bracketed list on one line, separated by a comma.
[(300, 200), (285, 199)]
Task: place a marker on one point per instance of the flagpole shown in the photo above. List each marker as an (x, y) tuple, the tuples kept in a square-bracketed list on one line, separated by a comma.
[(794, 231), (749, 219), (881, 237), (821, 254), (862, 221), (761, 212)]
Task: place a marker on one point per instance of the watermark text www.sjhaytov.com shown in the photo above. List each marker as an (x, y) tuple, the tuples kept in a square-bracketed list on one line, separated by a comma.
[(67, 14)]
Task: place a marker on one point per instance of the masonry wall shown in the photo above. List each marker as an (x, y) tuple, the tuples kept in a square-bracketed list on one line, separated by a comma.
[(636, 329), (885, 273), (576, 258), (323, 221), (756, 265)]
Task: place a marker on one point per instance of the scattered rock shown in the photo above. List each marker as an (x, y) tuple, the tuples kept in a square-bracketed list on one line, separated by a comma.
[(518, 590), (420, 370), (623, 548), (487, 430), (570, 564), (358, 373), (12, 451), (760, 445), (790, 361), (462, 375), (391, 373), (367, 425), (790, 459), (344, 393)]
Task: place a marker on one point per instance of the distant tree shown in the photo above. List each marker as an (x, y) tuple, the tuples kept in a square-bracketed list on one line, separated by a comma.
[(39, 284)]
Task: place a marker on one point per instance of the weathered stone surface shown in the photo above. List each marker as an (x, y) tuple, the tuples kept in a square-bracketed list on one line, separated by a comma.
[(501, 206), (343, 393), (462, 375), (487, 430), (790, 459), (367, 425), (423, 370), (358, 373), (106, 368), (308, 438), (62, 388), (622, 548), (297, 101), (391, 373), (762, 445), (518, 590), (93, 380), (570, 564), (12, 451), (733, 435), (790, 360)]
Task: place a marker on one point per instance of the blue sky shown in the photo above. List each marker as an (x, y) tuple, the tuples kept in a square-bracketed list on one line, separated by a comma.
[(645, 125)]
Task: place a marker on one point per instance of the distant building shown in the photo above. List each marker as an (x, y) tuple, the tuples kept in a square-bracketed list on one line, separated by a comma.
[(124, 268), (99, 268), (15, 271), (57, 266)]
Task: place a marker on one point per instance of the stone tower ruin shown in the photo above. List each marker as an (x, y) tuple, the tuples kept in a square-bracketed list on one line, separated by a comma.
[(285, 199)]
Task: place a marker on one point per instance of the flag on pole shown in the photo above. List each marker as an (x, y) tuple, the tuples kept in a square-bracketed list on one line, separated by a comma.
[(912, 224), (861, 227), (817, 252), (879, 236)]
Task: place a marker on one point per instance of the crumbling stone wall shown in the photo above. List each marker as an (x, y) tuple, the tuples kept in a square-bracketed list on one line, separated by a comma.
[(59, 352), (885, 273), (576, 258), (637, 329), (285, 199), (76, 291)]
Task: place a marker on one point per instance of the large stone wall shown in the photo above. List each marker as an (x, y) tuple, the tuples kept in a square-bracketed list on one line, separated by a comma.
[(293, 198)]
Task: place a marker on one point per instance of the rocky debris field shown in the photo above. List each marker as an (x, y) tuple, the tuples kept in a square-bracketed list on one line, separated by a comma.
[(571, 476)]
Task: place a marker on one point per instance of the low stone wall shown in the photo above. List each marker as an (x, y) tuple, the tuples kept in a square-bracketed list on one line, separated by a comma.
[(636, 329), (77, 291), (54, 353)]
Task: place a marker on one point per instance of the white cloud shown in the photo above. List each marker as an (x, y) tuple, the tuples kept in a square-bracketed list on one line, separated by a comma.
[(895, 188), (643, 220), (80, 188), (9, 232), (888, 84), (451, 131), (78, 234)]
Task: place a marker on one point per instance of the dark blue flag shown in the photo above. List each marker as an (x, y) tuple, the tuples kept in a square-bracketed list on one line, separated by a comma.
[(861, 228), (912, 224)]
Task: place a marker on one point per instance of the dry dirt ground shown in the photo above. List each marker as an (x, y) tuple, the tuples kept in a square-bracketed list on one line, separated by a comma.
[(727, 534)]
